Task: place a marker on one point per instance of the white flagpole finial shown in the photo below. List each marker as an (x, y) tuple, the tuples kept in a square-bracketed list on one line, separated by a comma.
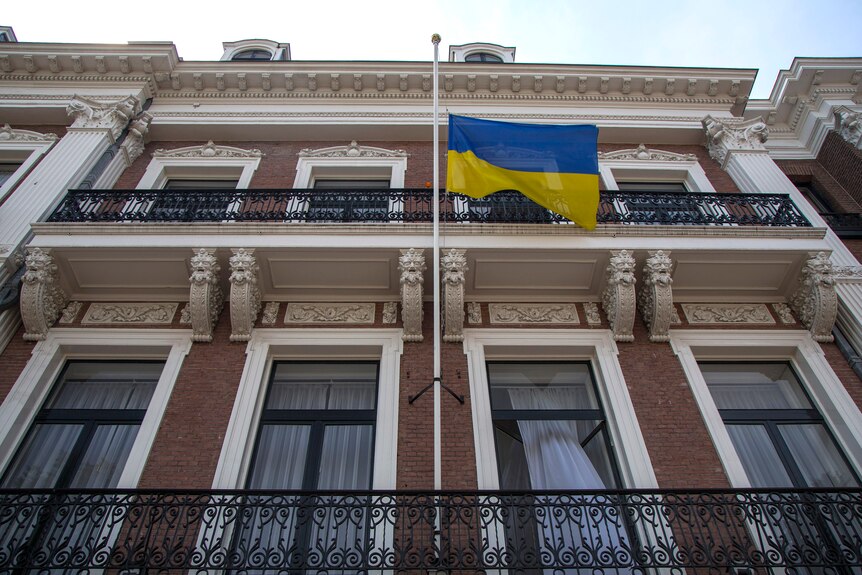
[(435, 38)]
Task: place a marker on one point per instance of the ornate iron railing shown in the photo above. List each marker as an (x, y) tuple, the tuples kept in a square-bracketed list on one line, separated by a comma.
[(813, 531), (415, 205)]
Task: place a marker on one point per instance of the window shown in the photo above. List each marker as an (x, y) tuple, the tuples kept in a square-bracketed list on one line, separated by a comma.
[(253, 54), (482, 57), (82, 436), (810, 192), (207, 204), (649, 206), (779, 436), (345, 200), (7, 169)]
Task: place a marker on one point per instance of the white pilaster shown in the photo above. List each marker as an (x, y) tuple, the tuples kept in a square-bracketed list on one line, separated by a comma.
[(131, 148)]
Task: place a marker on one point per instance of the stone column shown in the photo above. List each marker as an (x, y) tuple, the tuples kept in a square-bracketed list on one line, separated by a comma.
[(739, 147)]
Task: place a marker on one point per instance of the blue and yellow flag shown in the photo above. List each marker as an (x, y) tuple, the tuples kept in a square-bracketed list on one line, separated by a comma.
[(555, 166)]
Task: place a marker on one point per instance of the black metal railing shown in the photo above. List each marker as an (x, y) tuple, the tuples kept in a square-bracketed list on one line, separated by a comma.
[(415, 205), (812, 531), (844, 225)]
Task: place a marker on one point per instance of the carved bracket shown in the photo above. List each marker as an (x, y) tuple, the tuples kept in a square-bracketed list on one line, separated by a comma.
[(205, 296), (133, 145), (454, 268), (730, 135), (656, 296), (848, 125), (92, 115), (619, 298), (244, 294), (411, 264), (815, 302), (42, 299)]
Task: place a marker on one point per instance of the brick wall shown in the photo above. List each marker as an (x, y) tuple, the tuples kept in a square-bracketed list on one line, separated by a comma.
[(844, 163)]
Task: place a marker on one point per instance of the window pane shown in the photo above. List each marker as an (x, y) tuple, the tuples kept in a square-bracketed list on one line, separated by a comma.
[(106, 385), (280, 460), (298, 385), (351, 184), (106, 456), (754, 386), (817, 456), (190, 184), (759, 456), (42, 457), (541, 386), (345, 461)]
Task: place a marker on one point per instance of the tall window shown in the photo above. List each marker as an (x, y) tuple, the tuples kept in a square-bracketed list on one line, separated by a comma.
[(651, 204), (779, 435), (82, 436), (349, 200), (550, 429), (203, 200)]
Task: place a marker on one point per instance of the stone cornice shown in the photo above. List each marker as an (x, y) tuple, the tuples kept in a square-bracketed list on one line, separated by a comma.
[(9, 134), (208, 150)]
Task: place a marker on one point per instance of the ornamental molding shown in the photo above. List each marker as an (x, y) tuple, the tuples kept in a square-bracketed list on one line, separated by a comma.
[(474, 312), (848, 125), (390, 312), (208, 150), (785, 315), (244, 293), (594, 317), (619, 296), (643, 154), (70, 312), (541, 313), (656, 296), (815, 302), (133, 144), (205, 295), (847, 274), (130, 313), (721, 313), (724, 136), (328, 313), (352, 150), (453, 264), (270, 313), (42, 298), (89, 114), (411, 264), (8, 134), (186, 315)]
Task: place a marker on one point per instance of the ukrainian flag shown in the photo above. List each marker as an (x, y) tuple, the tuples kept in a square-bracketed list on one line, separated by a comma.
[(555, 166)]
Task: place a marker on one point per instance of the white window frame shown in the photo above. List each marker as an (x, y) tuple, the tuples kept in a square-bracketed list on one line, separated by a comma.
[(269, 345), (30, 391), (26, 152), (460, 52), (277, 51), (596, 346), (826, 391)]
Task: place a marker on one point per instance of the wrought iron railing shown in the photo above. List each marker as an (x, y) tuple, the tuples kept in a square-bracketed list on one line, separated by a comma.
[(415, 205), (600, 532)]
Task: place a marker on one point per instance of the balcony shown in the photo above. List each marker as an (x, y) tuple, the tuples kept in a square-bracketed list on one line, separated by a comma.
[(329, 532), (415, 205)]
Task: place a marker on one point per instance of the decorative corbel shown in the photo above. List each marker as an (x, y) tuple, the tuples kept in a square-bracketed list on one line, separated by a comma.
[(726, 135), (848, 125), (411, 264), (42, 299), (133, 145), (656, 296), (619, 298), (454, 266), (815, 302), (244, 294), (205, 296), (92, 115)]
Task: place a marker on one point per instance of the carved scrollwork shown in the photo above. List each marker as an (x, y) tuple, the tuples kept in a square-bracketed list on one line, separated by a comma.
[(352, 313), (71, 311), (208, 150), (474, 312), (642, 153), (848, 125), (353, 150), (618, 299), (815, 302), (533, 313), (7, 134), (718, 313), (591, 309), (134, 142), (726, 135), (244, 294), (205, 295), (42, 298), (656, 296), (270, 313), (91, 115), (411, 264), (130, 313), (454, 268), (390, 312)]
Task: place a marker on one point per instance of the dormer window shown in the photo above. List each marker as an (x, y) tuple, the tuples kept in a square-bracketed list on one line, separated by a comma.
[(482, 52), (254, 54), (482, 57)]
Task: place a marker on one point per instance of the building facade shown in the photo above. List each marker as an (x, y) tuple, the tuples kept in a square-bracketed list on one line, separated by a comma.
[(216, 342)]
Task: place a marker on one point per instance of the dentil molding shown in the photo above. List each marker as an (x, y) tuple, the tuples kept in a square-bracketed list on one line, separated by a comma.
[(328, 313), (411, 264), (353, 150), (541, 313), (453, 264), (89, 114), (815, 302), (8, 134), (722, 313), (727, 135), (130, 313), (205, 295), (642, 153), (208, 150), (42, 298), (244, 293), (619, 297), (656, 296)]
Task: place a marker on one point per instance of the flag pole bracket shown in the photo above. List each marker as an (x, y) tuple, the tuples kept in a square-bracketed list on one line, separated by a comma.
[(413, 398)]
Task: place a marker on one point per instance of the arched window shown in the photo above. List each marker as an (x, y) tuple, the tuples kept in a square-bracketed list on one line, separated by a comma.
[(482, 57), (253, 54)]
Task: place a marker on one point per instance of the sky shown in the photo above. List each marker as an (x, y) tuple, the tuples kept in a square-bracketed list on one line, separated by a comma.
[(761, 34)]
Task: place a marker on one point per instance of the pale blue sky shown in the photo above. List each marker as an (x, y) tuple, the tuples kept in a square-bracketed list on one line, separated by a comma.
[(763, 34)]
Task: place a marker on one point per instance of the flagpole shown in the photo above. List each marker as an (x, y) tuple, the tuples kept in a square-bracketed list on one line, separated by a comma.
[(438, 458)]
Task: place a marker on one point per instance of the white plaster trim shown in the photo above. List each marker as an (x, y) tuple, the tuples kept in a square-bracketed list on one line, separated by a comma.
[(27, 152), (599, 348), (797, 346), (329, 313), (162, 168), (61, 344), (725, 313), (338, 162), (267, 345), (683, 169)]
